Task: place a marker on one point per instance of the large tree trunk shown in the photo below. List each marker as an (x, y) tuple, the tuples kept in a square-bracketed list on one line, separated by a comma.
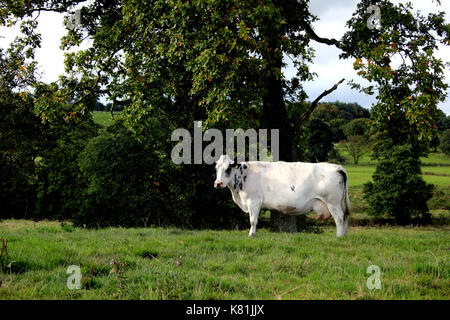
[(276, 117)]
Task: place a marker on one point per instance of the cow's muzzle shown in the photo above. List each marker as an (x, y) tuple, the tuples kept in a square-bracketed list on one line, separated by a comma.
[(218, 184)]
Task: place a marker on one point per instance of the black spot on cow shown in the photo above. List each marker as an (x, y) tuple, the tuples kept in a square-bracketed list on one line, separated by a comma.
[(240, 185), (245, 177), (235, 182), (293, 188), (245, 166), (240, 169)]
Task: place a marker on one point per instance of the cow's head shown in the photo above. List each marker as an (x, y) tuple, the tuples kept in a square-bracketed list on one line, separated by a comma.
[(224, 168)]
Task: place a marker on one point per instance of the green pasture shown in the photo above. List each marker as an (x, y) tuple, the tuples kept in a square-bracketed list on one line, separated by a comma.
[(157, 263), (103, 118)]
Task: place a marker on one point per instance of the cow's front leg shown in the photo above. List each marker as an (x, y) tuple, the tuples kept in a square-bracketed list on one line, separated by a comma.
[(253, 211)]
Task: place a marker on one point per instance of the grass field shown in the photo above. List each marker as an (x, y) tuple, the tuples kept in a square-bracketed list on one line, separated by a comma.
[(158, 263), (103, 117), (435, 168), (433, 159), (358, 175)]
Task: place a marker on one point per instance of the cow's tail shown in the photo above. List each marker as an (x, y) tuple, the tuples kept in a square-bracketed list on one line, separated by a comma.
[(345, 203)]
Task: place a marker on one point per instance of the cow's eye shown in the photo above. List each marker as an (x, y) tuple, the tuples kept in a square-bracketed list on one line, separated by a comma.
[(228, 171)]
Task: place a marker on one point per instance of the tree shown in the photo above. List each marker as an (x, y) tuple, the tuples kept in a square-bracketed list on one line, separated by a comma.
[(336, 127), (443, 122), (320, 141), (328, 111), (445, 142), (100, 106), (21, 134), (402, 201), (408, 92), (356, 146), (357, 127), (221, 62)]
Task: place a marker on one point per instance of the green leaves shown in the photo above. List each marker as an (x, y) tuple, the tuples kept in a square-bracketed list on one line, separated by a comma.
[(400, 63)]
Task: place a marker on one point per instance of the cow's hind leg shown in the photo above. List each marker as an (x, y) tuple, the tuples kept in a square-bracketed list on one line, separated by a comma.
[(345, 227), (341, 222), (253, 211)]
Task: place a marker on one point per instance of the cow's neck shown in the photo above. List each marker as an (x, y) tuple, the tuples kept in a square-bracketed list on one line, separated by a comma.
[(237, 198)]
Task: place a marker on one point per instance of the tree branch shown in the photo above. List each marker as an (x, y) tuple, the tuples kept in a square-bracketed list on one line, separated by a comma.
[(309, 30), (314, 104)]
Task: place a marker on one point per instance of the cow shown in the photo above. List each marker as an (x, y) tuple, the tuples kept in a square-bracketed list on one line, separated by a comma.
[(293, 188)]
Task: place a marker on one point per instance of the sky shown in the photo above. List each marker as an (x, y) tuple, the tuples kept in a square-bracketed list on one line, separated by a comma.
[(329, 68)]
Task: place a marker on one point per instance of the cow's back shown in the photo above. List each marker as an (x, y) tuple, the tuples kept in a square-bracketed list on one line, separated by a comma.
[(291, 187)]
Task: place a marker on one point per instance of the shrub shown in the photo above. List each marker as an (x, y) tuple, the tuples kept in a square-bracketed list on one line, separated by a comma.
[(334, 156), (59, 185), (22, 136), (130, 184), (120, 189), (397, 189)]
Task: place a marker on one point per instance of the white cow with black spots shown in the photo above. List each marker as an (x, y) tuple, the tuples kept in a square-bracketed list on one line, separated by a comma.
[(293, 188)]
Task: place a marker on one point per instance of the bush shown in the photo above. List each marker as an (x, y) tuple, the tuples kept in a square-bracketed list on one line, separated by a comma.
[(22, 136), (129, 184), (445, 142), (120, 189), (59, 185), (397, 189), (335, 157)]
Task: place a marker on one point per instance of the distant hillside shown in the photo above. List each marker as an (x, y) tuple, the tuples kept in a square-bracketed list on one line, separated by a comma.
[(339, 110)]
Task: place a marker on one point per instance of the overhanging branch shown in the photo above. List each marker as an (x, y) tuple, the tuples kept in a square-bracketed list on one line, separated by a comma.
[(314, 104), (309, 30)]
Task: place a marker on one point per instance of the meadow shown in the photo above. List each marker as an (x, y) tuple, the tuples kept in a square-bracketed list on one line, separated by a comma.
[(103, 118), (157, 263)]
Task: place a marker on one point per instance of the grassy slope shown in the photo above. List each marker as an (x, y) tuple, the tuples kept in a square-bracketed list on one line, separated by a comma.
[(224, 264), (358, 175), (102, 117)]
